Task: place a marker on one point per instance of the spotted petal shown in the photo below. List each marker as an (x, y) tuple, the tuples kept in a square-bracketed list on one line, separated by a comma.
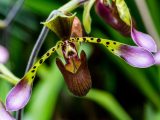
[(133, 55), (143, 40), (5, 115), (19, 96)]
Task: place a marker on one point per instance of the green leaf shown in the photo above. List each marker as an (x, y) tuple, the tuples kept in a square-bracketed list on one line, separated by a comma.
[(108, 102)]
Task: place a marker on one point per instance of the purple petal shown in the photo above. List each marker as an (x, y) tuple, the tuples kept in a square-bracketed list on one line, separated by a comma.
[(19, 96), (143, 40), (110, 15), (4, 115), (157, 57), (136, 56), (4, 54)]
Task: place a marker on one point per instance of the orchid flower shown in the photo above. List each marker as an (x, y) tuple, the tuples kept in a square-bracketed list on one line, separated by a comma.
[(75, 71), (116, 14)]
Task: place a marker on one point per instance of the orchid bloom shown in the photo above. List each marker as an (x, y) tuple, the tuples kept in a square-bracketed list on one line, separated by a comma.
[(116, 14), (75, 71)]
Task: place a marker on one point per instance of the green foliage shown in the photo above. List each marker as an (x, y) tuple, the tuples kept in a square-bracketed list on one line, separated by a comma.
[(122, 91), (107, 101)]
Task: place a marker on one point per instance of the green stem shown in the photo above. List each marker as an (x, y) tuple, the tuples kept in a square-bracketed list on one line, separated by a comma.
[(12, 14)]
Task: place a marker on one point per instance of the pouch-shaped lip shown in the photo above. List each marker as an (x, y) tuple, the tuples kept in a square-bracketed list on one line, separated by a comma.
[(79, 83)]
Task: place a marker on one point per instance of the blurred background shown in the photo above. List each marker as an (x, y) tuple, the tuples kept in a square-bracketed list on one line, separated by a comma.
[(119, 92)]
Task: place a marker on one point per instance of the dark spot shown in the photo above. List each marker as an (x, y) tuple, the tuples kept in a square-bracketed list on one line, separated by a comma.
[(84, 39), (53, 49), (107, 43), (32, 77), (98, 40), (34, 67), (48, 54), (41, 60), (114, 43), (58, 46), (71, 53), (92, 38), (112, 50), (33, 71), (77, 38)]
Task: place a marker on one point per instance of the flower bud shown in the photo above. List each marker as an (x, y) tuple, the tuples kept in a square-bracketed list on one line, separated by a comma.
[(109, 13)]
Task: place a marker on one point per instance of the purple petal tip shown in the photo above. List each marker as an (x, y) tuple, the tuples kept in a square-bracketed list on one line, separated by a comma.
[(19, 96), (5, 115), (136, 56), (157, 57), (143, 40)]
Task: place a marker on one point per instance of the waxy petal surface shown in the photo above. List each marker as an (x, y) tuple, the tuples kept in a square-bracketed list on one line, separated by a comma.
[(110, 14), (19, 96), (143, 40), (78, 83), (157, 57), (136, 56), (133, 55)]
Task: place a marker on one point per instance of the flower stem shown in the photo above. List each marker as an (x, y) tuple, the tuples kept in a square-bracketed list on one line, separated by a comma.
[(33, 56), (12, 13)]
